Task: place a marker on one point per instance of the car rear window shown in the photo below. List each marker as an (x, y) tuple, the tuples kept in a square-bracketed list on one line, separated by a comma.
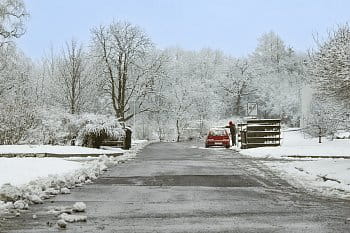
[(217, 132)]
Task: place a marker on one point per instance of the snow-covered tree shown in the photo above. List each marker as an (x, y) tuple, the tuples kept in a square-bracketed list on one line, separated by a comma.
[(13, 15), (237, 84), (329, 64), (17, 108), (325, 117), (280, 74)]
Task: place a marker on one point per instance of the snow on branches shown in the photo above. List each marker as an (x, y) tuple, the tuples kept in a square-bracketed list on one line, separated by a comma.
[(330, 64)]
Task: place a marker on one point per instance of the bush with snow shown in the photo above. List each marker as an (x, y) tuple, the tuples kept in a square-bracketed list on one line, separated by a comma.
[(60, 128), (94, 128)]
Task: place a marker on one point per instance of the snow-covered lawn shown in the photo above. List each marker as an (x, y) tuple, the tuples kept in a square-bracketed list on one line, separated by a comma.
[(19, 171), (31, 180), (326, 171), (54, 150), (295, 143)]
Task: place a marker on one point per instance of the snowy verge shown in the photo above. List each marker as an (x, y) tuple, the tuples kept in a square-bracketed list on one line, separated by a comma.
[(54, 150), (294, 143), (51, 176), (329, 177), (19, 171), (326, 171)]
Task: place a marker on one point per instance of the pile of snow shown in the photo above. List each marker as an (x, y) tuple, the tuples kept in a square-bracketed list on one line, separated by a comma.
[(55, 150), (32, 180)]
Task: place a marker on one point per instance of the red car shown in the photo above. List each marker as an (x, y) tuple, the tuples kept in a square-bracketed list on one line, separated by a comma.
[(217, 137)]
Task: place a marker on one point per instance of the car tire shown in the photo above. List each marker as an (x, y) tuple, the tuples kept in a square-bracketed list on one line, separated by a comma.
[(206, 146), (227, 147)]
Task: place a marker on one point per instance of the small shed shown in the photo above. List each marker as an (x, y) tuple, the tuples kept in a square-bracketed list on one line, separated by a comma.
[(260, 133)]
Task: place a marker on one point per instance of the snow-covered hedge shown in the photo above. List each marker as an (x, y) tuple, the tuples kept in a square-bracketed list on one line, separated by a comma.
[(57, 127)]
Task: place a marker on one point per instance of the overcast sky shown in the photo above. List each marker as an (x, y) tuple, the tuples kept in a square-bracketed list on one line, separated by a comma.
[(230, 25)]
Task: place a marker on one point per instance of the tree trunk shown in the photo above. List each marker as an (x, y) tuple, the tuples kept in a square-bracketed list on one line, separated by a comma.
[(178, 130), (238, 104)]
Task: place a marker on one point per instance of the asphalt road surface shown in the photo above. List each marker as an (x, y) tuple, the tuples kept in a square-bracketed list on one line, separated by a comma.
[(179, 187)]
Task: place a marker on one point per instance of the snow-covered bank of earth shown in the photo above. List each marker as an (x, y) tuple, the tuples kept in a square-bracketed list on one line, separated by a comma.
[(31, 180), (329, 176)]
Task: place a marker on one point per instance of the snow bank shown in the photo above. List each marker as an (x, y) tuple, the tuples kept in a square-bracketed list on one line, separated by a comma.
[(32, 180)]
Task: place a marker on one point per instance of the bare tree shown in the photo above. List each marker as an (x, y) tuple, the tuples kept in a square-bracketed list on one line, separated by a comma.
[(72, 77), (127, 64)]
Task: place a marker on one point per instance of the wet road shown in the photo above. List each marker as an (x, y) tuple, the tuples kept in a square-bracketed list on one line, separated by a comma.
[(178, 187)]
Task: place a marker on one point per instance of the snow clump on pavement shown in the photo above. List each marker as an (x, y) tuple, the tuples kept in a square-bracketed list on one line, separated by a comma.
[(9, 193), (20, 204), (79, 207), (73, 218), (61, 224)]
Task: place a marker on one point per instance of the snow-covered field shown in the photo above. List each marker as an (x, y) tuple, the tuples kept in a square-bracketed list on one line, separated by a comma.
[(26, 181), (327, 172)]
